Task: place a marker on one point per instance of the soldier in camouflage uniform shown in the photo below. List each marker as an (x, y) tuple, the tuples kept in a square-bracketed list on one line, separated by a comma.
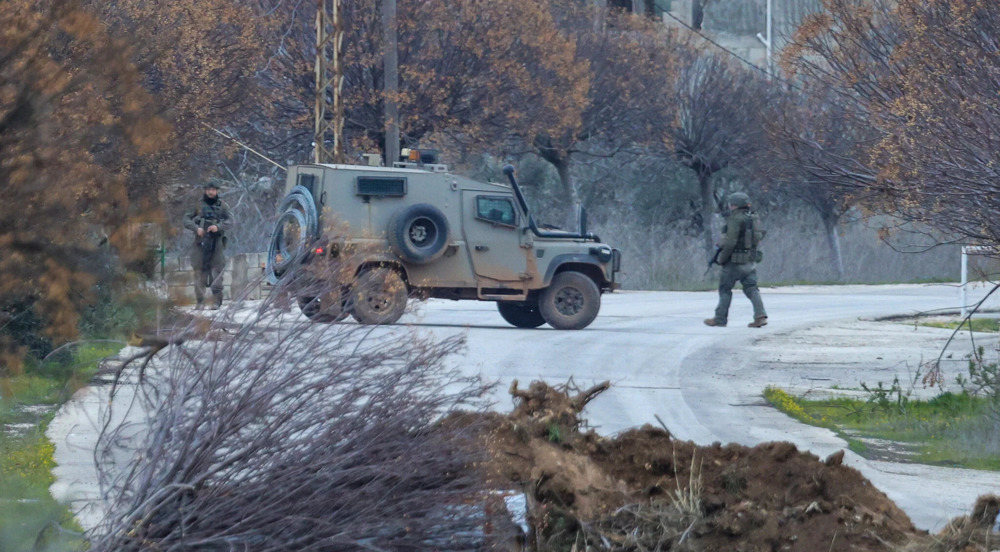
[(738, 255), (209, 220)]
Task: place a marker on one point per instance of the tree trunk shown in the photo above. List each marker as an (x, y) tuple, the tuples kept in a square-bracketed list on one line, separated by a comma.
[(566, 179), (707, 210), (600, 15), (390, 62), (833, 240)]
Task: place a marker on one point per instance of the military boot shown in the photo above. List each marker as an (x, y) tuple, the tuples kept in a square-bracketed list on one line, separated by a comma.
[(758, 322)]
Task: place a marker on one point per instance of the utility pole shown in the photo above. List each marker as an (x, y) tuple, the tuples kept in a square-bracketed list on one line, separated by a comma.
[(329, 84), (767, 41), (391, 66)]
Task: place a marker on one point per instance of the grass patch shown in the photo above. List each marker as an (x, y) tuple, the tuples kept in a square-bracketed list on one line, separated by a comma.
[(53, 382), (953, 429), (977, 324), (31, 518)]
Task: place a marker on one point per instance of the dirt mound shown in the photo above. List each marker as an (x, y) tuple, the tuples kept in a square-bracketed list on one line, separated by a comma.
[(644, 490)]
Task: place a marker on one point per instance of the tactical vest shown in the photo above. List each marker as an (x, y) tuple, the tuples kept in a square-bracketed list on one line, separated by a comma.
[(751, 233), (206, 215)]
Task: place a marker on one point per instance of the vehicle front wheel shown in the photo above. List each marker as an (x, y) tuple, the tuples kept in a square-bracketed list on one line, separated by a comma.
[(521, 314), (325, 308), (571, 302), (379, 296)]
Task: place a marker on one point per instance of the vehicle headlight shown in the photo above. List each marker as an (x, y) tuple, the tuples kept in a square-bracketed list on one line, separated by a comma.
[(603, 253)]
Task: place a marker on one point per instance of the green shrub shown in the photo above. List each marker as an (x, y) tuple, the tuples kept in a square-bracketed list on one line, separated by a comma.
[(21, 329), (116, 312)]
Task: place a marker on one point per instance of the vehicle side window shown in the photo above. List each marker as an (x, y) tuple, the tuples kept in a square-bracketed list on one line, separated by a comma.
[(499, 210)]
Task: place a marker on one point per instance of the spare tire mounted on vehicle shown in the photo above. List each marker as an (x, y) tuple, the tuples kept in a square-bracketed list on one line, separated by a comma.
[(418, 234), (298, 224)]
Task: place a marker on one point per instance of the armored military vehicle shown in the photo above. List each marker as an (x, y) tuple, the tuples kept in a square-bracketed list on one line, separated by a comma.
[(377, 236)]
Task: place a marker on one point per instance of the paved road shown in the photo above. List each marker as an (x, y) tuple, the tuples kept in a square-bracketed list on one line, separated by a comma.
[(704, 383)]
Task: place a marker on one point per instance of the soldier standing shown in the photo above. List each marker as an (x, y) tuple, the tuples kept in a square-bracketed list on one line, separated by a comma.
[(209, 220), (738, 255)]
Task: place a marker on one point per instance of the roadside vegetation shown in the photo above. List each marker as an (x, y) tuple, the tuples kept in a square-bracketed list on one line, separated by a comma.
[(952, 429), (282, 434), (972, 324), (32, 519)]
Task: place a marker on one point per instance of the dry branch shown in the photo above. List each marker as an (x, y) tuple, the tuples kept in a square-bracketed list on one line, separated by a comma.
[(292, 436)]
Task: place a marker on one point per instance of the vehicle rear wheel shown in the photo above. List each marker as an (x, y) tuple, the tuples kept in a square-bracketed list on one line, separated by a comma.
[(571, 302), (521, 314), (379, 296), (325, 309)]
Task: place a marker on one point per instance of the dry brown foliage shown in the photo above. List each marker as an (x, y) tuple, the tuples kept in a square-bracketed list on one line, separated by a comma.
[(631, 64), (70, 99), (101, 105)]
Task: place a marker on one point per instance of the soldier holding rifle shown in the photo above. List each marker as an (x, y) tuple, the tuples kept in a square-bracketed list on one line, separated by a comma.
[(209, 220), (738, 254)]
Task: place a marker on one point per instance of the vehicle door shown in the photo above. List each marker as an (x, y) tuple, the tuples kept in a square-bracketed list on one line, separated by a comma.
[(493, 232)]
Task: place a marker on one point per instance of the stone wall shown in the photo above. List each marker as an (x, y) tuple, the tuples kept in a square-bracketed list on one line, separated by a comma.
[(242, 277)]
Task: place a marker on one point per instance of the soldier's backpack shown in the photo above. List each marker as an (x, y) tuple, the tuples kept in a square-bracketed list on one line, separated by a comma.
[(753, 232)]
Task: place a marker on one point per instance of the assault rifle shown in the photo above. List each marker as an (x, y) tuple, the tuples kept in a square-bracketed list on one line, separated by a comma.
[(714, 260), (208, 243)]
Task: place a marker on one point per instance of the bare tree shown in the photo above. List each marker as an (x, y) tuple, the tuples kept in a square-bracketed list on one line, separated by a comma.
[(810, 128), (278, 434), (630, 62), (924, 76), (719, 123)]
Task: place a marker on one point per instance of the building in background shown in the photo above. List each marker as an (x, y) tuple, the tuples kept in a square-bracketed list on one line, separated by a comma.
[(734, 24)]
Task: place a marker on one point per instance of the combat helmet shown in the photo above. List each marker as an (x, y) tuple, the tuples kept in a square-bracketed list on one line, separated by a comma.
[(739, 199)]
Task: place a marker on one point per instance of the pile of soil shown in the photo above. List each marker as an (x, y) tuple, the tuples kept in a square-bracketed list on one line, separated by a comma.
[(644, 490)]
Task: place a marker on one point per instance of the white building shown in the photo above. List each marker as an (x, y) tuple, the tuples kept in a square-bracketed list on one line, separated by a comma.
[(735, 23)]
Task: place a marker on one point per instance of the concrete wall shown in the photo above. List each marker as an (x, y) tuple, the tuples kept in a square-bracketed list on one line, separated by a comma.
[(735, 23), (739, 17), (749, 17), (242, 275)]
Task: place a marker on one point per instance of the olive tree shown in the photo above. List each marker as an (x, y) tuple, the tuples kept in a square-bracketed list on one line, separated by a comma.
[(808, 129), (719, 123)]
